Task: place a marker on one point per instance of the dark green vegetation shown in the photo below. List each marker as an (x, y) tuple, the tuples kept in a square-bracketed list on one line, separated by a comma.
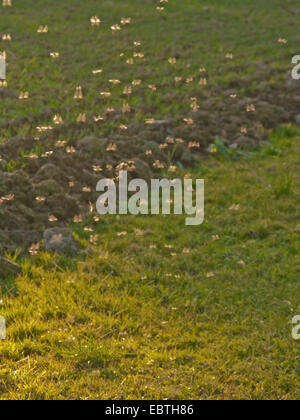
[(152, 308), (197, 34)]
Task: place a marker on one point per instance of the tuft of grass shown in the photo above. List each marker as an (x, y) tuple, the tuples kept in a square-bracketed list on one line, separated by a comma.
[(283, 185)]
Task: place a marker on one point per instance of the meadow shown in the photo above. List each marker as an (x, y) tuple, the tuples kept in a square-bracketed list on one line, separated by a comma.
[(149, 308)]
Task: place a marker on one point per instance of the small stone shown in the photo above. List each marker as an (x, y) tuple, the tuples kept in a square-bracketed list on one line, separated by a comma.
[(60, 240)]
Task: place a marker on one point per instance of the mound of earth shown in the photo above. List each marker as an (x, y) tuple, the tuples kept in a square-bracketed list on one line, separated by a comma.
[(56, 185)]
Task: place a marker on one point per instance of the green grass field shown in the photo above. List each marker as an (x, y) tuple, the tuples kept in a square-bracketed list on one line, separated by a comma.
[(155, 309)]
